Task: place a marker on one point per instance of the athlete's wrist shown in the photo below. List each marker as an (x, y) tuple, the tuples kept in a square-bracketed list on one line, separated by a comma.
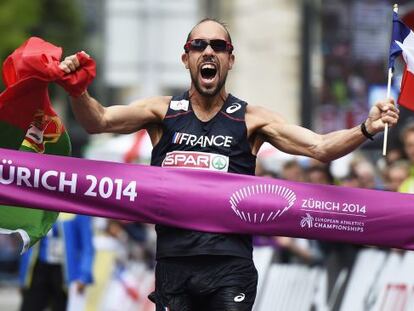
[(366, 132), (83, 95)]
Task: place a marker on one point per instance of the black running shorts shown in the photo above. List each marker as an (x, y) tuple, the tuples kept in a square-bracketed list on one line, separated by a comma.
[(205, 283)]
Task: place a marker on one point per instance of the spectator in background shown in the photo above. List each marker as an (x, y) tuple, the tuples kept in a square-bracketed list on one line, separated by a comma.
[(393, 155), (111, 250), (62, 259), (396, 174), (262, 171), (319, 175), (407, 137), (288, 249), (10, 245), (365, 174), (349, 180), (292, 171), (293, 249), (338, 257)]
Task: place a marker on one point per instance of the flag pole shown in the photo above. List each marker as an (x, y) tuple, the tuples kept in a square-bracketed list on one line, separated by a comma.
[(384, 146), (389, 80)]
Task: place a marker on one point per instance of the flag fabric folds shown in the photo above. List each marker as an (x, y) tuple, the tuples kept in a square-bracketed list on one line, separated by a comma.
[(29, 123), (402, 42)]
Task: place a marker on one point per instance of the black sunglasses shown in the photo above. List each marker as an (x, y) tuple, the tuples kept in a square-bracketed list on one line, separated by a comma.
[(199, 45)]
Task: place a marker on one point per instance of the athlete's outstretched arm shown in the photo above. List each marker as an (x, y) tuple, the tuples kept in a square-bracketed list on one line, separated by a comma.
[(270, 127), (122, 119), (96, 118)]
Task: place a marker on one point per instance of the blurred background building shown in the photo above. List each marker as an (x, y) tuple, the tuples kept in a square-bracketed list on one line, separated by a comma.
[(319, 63)]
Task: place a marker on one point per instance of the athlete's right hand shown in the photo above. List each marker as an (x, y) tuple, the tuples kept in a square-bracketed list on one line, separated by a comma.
[(70, 63), (78, 71)]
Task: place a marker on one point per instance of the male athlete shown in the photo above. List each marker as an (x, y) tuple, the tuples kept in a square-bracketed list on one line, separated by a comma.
[(207, 271)]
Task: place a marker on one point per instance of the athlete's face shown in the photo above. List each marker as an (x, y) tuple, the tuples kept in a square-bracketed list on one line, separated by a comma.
[(208, 68)]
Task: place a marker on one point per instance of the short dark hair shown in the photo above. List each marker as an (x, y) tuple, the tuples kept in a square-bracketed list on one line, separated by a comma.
[(325, 170), (208, 19), (407, 129)]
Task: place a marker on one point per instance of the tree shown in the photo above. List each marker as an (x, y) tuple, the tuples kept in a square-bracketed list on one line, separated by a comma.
[(57, 21), (61, 24), (17, 18)]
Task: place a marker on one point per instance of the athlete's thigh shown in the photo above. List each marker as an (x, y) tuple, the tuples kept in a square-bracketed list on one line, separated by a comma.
[(173, 303), (235, 287), (171, 293)]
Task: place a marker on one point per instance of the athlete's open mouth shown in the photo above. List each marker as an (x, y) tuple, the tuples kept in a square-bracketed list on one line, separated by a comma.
[(208, 71)]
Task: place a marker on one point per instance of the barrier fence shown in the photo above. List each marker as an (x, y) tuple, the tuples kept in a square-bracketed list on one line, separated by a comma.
[(380, 280)]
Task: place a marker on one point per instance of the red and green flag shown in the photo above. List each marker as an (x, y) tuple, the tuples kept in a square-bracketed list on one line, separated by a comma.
[(29, 123)]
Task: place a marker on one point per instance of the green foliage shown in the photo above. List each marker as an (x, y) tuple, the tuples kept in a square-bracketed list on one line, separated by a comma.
[(61, 24), (57, 21), (17, 17)]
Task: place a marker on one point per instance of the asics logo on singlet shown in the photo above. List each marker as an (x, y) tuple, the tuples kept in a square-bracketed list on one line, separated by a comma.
[(240, 297), (202, 141), (233, 108)]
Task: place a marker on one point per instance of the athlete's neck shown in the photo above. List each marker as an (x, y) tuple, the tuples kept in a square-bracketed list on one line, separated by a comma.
[(206, 107), (207, 103)]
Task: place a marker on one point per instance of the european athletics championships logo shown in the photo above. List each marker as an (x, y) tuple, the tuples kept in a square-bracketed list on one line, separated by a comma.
[(270, 191)]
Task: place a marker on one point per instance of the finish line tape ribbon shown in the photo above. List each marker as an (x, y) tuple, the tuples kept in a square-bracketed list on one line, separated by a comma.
[(206, 201)]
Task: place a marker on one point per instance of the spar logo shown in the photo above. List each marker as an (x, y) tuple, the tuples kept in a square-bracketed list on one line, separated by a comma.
[(202, 141), (220, 162), (264, 196), (196, 160)]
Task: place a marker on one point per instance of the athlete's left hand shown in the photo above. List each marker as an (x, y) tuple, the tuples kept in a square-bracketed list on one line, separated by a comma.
[(384, 112)]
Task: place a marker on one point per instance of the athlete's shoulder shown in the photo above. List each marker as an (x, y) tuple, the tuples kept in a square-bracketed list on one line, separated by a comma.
[(182, 96), (234, 108), (260, 111), (178, 105), (233, 99), (156, 107), (259, 116), (154, 102)]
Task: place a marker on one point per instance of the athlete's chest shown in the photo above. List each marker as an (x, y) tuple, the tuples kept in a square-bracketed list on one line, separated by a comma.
[(220, 133), (203, 145)]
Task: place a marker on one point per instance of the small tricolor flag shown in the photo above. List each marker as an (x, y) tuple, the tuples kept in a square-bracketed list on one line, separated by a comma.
[(402, 42)]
